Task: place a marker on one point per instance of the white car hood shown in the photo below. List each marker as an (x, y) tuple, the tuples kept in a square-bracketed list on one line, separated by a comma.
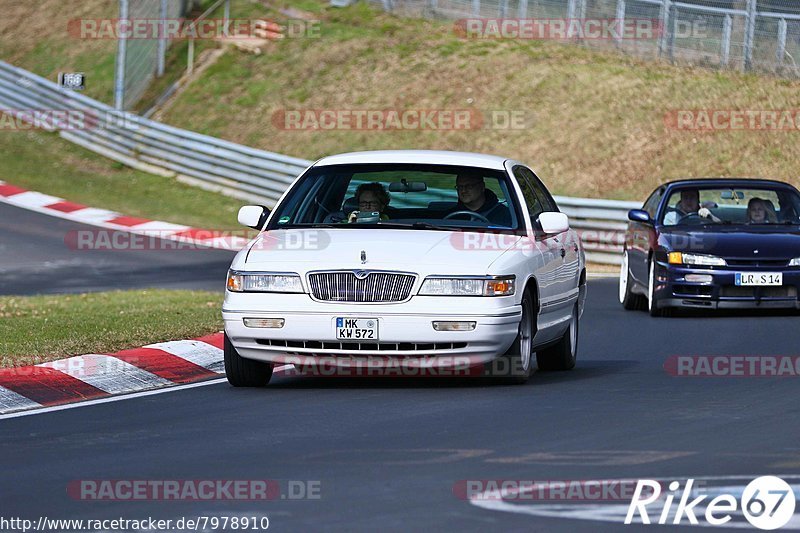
[(302, 250)]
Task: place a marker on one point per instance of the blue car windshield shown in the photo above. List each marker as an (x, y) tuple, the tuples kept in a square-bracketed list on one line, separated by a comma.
[(694, 206), (408, 196)]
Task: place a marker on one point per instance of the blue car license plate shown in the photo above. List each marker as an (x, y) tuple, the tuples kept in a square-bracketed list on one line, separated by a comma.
[(759, 278)]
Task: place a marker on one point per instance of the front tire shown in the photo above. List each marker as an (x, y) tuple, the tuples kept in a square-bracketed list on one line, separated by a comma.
[(652, 301), (514, 367), (243, 372), (564, 354)]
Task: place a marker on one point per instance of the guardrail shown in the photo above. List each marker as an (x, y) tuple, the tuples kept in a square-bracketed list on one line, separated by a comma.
[(232, 169)]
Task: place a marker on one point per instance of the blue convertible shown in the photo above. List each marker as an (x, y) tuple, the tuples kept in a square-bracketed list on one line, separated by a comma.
[(713, 243)]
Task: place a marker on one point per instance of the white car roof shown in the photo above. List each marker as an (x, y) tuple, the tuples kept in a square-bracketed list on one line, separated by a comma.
[(430, 157)]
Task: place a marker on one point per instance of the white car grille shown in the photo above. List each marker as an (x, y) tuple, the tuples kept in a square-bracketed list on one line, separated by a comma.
[(345, 286)]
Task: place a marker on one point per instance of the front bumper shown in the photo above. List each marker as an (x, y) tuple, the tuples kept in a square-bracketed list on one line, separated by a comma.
[(405, 331), (673, 290)]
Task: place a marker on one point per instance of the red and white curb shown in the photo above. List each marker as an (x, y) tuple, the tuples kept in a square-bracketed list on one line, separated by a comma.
[(93, 376), (58, 207)]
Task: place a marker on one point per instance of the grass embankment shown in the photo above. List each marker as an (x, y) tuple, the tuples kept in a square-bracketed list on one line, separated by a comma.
[(44, 162), (595, 120), (34, 329)]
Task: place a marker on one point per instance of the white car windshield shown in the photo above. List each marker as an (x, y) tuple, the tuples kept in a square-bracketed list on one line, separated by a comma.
[(400, 196)]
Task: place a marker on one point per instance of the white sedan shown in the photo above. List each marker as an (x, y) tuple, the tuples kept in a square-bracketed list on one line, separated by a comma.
[(406, 259)]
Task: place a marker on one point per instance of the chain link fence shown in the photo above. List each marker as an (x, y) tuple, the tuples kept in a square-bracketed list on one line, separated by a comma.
[(140, 60), (748, 35)]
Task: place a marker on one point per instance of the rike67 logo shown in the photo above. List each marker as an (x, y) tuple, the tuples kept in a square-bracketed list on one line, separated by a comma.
[(767, 503)]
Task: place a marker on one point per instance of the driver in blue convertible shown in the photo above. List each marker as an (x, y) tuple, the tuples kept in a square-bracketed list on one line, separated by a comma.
[(689, 204), (474, 196)]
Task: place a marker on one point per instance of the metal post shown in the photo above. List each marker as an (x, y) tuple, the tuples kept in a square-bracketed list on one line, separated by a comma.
[(162, 40), (227, 16), (119, 75), (727, 29), (522, 9), (190, 58), (666, 7), (673, 33), (781, 52), (750, 32), (571, 9), (503, 9), (433, 6), (476, 8), (620, 22)]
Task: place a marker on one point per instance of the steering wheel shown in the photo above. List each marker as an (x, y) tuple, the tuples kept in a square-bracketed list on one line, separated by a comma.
[(690, 216), (471, 214)]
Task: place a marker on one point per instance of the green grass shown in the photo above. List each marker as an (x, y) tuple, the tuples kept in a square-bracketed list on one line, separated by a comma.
[(44, 162), (34, 329)]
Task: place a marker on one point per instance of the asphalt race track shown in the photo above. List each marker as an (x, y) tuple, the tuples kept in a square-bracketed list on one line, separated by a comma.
[(387, 453), (35, 258)]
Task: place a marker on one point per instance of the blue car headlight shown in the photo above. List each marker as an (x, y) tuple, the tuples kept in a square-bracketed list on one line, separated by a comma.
[(682, 258)]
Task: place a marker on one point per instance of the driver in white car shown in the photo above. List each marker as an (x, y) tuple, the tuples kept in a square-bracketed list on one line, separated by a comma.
[(474, 196), (688, 204)]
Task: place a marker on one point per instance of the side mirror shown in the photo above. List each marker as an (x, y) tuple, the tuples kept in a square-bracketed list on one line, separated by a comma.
[(552, 222), (639, 215), (253, 216)]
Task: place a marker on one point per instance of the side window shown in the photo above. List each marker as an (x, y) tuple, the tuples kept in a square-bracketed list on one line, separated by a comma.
[(536, 196), (532, 200), (651, 204)]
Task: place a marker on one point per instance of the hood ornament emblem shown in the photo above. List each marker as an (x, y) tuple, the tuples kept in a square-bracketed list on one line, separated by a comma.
[(363, 257)]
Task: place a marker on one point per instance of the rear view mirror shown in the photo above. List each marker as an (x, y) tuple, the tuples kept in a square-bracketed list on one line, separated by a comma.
[(552, 222), (408, 186), (639, 215), (730, 195), (253, 216)]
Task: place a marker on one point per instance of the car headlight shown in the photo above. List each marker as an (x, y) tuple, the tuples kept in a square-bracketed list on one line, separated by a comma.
[(468, 286), (682, 258), (278, 282), (795, 262)]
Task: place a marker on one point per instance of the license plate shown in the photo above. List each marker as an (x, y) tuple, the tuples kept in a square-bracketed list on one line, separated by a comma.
[(759, 278), (357, 329)]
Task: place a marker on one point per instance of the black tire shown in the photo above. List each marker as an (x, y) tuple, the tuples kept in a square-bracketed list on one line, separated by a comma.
[(514, 367), (243, 372), (628, 299), (564, 354)]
